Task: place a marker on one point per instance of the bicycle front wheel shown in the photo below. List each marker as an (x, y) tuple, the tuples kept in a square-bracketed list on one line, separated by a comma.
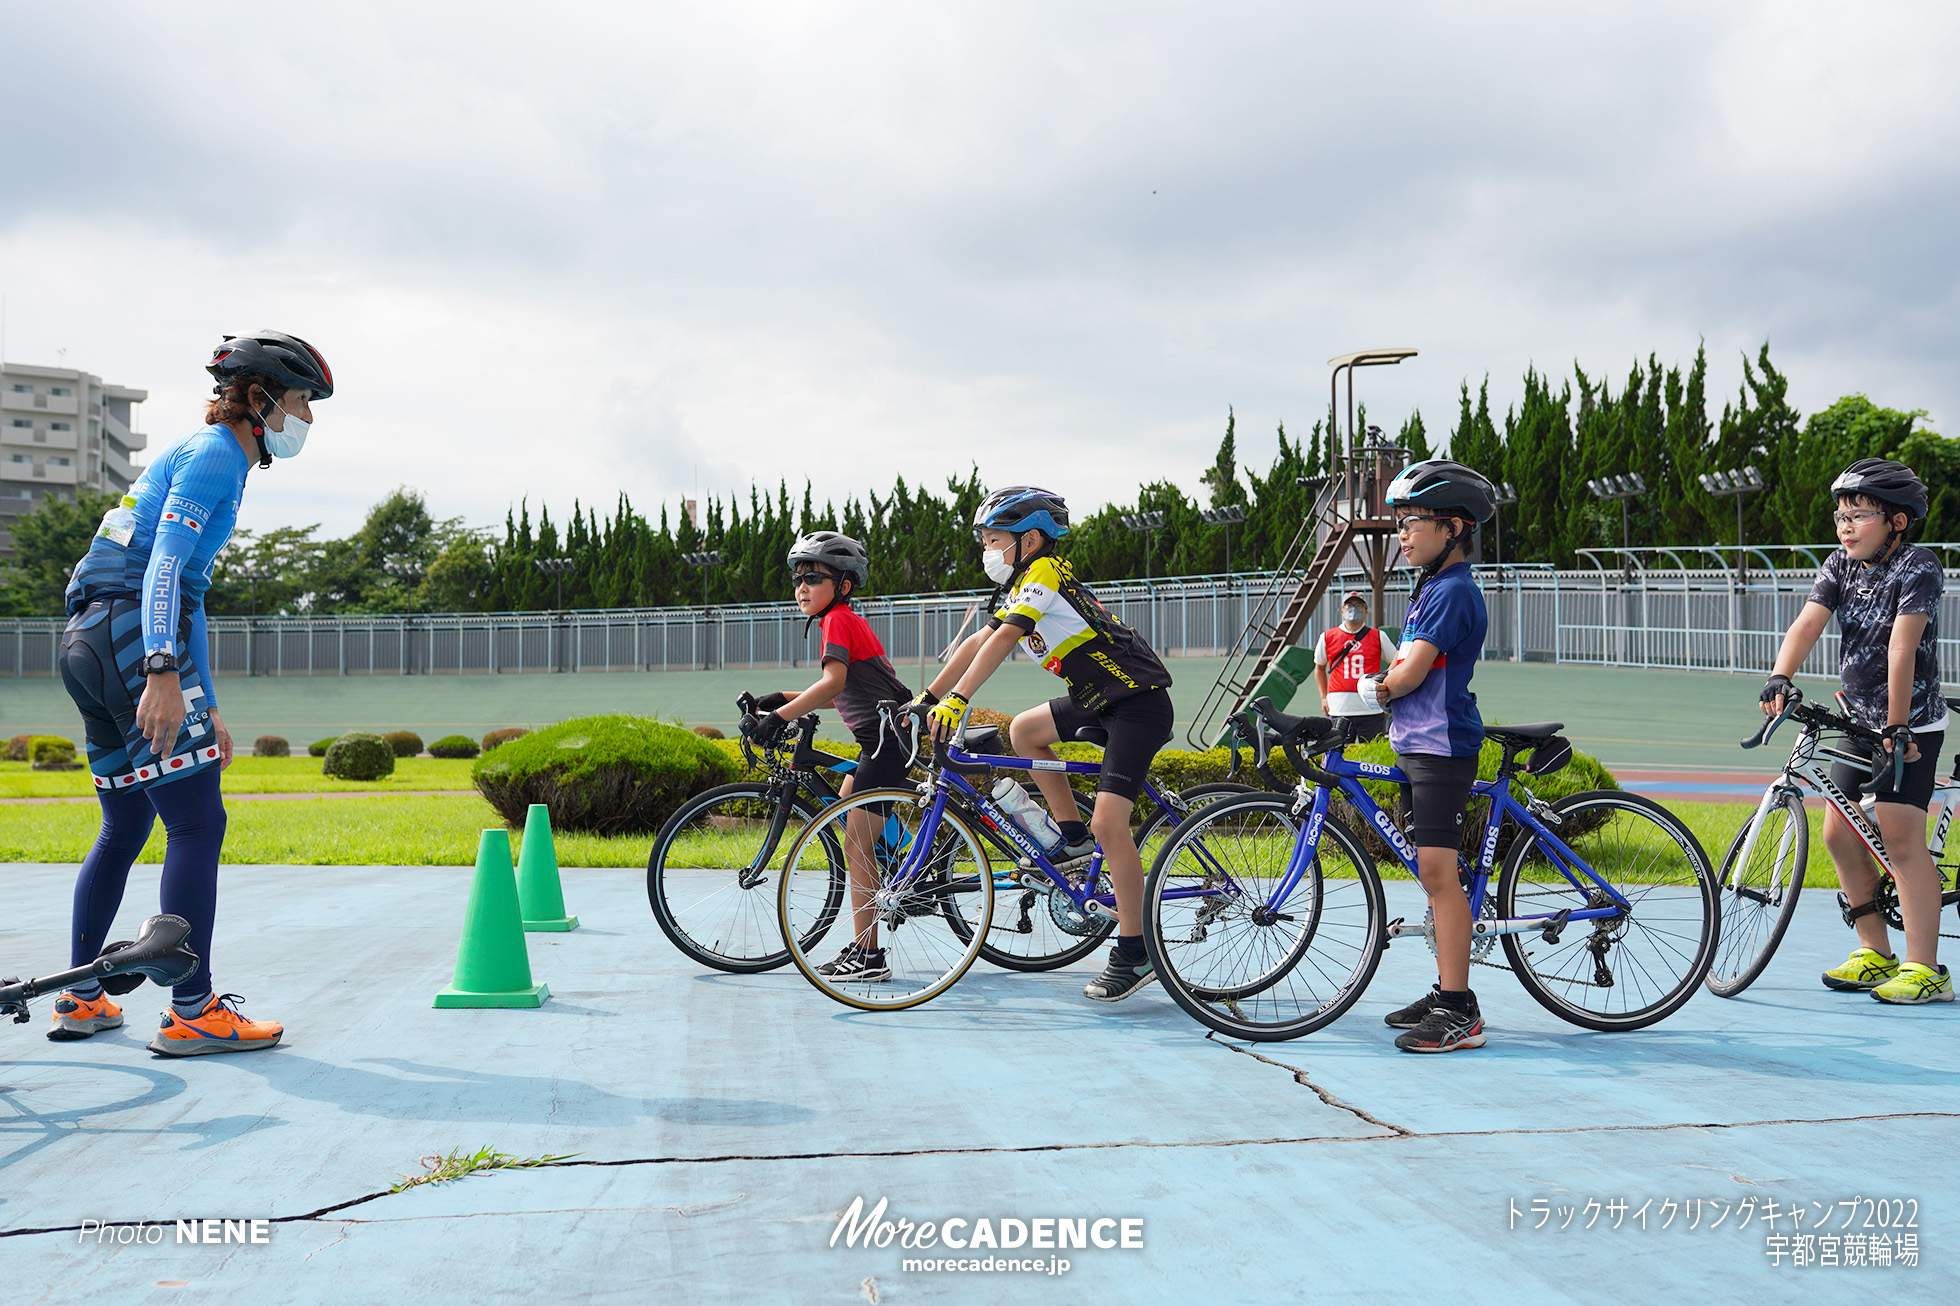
[(1761, 878), (1639, 965), (711, 877), (1236, 954), (927, 909)]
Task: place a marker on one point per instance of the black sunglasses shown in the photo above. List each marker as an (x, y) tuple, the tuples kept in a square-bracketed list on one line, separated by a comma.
[(811, 578)]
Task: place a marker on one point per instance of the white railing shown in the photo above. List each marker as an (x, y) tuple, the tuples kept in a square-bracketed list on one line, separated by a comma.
[(1691, 618)]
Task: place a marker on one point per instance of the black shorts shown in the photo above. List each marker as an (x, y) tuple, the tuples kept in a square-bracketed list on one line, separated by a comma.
[(1437, 793), (1138, 726), (1917, 791), (885, 771)]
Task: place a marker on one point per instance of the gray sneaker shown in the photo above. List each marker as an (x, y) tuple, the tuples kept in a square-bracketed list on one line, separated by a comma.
[(1119, 979)]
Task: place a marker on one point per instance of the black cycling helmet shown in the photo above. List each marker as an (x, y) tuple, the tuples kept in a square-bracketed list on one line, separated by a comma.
[(1020, 508), (840, 553), (1886, 481), (274, 355), (1445, 487)]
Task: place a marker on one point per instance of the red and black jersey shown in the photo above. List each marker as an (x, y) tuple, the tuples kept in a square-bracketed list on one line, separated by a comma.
[(868, 674)]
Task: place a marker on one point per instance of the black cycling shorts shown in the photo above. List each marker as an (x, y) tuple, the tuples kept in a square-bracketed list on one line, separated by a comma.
[(1138, 726), (102, 668), (886, 770), (1917, 791), (1437, 793)]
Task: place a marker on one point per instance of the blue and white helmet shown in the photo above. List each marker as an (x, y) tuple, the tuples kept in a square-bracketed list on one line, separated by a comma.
[(1021, 508), (1442, 486)]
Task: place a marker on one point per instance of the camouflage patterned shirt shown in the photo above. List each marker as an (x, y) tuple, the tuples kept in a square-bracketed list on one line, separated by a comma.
[(1866, 601)]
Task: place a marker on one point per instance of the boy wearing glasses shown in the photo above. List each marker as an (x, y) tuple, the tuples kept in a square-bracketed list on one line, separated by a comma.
[(828, 569), (1886, 595), (1435, 728)]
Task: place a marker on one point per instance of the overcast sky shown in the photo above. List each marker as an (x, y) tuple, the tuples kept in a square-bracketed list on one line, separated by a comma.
[(572, 249)]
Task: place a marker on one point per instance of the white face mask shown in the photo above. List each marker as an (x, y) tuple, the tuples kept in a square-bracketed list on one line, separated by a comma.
[(994, 563), (287, 442), (1353, 616)]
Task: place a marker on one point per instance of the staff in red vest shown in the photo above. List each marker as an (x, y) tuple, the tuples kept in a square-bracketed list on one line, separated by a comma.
[(1350, 652)]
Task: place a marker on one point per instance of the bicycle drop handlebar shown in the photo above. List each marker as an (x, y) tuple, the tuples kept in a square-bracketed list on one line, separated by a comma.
[(1814, 716)]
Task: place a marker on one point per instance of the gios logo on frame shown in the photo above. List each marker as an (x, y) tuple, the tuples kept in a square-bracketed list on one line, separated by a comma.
[(1396, 839)]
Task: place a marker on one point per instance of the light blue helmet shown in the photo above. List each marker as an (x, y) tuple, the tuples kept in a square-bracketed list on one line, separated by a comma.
[(1021, 508)]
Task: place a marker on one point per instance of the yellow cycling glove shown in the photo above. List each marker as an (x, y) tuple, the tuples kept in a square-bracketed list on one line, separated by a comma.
[(948, 714)]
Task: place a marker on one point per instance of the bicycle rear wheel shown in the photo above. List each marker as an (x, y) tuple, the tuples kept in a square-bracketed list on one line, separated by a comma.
[(1759, 896), (1033, 929), (711, 877), (1629, 970), (1236, 960), (931, 921)]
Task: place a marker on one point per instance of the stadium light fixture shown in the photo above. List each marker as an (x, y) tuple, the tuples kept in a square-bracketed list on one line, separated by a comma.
[(1146, 524), (1735, 483), (1227, 515)]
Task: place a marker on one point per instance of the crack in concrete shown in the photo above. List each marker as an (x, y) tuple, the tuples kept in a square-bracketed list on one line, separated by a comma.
[(1300, 1077), (324, 1212)]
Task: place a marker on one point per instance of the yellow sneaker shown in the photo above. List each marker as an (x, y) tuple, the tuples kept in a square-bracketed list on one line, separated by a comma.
[(218, 1028), (1916, 983), (1862, 972), (79, 1018)]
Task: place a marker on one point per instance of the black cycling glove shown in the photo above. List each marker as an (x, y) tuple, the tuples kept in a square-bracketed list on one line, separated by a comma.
[(771, 702), (1774, 688), (769, 730)]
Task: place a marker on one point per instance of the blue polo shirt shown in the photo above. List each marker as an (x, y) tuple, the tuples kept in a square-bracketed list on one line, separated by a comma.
[(1439, 718)]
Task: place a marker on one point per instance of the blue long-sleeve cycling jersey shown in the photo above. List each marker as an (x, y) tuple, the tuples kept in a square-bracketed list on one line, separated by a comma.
[(186, 508)]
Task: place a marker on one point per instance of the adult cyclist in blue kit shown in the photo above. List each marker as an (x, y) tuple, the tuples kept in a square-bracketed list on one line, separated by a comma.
[(135, 659)]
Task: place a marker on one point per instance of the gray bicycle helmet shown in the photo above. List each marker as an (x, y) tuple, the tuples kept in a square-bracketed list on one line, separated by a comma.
[(840, 553), (286, 360), (1886, 481)]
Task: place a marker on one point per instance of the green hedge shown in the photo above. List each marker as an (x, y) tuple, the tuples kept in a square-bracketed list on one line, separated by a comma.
[(607, 775), (454, 746), (319, 747), (359, 755)]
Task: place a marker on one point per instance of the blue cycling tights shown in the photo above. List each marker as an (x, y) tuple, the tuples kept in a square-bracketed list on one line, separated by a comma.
[(193, 813)]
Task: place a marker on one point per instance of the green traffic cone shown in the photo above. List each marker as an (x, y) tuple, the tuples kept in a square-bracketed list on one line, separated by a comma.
[(493, 969), (538, 888)]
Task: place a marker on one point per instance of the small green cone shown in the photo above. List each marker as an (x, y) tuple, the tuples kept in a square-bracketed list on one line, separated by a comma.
[(493, 967), (538, 887)]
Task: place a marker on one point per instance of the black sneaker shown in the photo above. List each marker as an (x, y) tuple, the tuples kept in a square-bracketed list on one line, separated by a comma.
[(1411, 1016), (1119, 979), (1445, 1029), (855, 963)]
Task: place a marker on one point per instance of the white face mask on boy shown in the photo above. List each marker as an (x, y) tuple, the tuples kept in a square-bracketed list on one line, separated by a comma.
[(994, 563)]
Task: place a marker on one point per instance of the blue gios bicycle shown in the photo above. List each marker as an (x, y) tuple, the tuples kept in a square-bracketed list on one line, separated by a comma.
[(933, 894), (1605, 903)]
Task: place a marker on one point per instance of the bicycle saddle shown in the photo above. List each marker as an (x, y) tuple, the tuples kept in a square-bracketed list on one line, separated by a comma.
[(1093, 735), (1523, 734), (1293, 728), (980, 739)]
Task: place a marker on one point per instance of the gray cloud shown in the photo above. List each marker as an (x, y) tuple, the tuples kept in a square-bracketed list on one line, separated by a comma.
[(638, 245)]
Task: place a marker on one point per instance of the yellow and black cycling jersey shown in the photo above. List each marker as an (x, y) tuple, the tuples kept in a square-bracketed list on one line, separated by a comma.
[(1101, 660)]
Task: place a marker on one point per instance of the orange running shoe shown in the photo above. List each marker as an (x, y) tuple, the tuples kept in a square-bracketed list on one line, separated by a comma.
[(79, 1018), (218, 1028)]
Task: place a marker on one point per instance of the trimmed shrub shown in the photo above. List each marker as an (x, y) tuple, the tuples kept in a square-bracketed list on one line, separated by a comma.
[(604, 775), (319, 747), (504, 736), (359, 755), (454, 746), (17, 748), (405, 743), (708, 732), (53, 753), (272, 746)]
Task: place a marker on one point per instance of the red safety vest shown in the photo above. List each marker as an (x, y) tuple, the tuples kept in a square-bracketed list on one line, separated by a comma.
[(1363, 659)]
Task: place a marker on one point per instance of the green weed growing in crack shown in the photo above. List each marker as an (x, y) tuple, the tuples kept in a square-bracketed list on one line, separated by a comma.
[(441, 1169)]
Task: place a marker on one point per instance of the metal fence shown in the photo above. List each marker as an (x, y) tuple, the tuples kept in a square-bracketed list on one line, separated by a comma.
[(1695, 619)]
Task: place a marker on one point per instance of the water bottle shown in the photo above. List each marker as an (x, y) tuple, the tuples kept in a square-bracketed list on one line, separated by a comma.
[(1028, 814), (119, 523)]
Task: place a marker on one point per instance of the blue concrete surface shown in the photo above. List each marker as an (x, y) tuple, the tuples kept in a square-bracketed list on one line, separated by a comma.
[(722, 1123)]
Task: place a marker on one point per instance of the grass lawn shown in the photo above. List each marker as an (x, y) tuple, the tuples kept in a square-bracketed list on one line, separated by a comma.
[(256, 775), (442, 831)]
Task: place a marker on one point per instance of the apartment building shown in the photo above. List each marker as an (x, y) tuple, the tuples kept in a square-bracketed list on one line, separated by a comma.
[(61, 431)]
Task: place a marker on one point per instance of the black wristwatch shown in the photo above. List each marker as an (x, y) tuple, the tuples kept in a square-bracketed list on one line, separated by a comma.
[(157, 664)]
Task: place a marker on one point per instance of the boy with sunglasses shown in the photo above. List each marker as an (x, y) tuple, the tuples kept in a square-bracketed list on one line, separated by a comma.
[(829, 569)]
